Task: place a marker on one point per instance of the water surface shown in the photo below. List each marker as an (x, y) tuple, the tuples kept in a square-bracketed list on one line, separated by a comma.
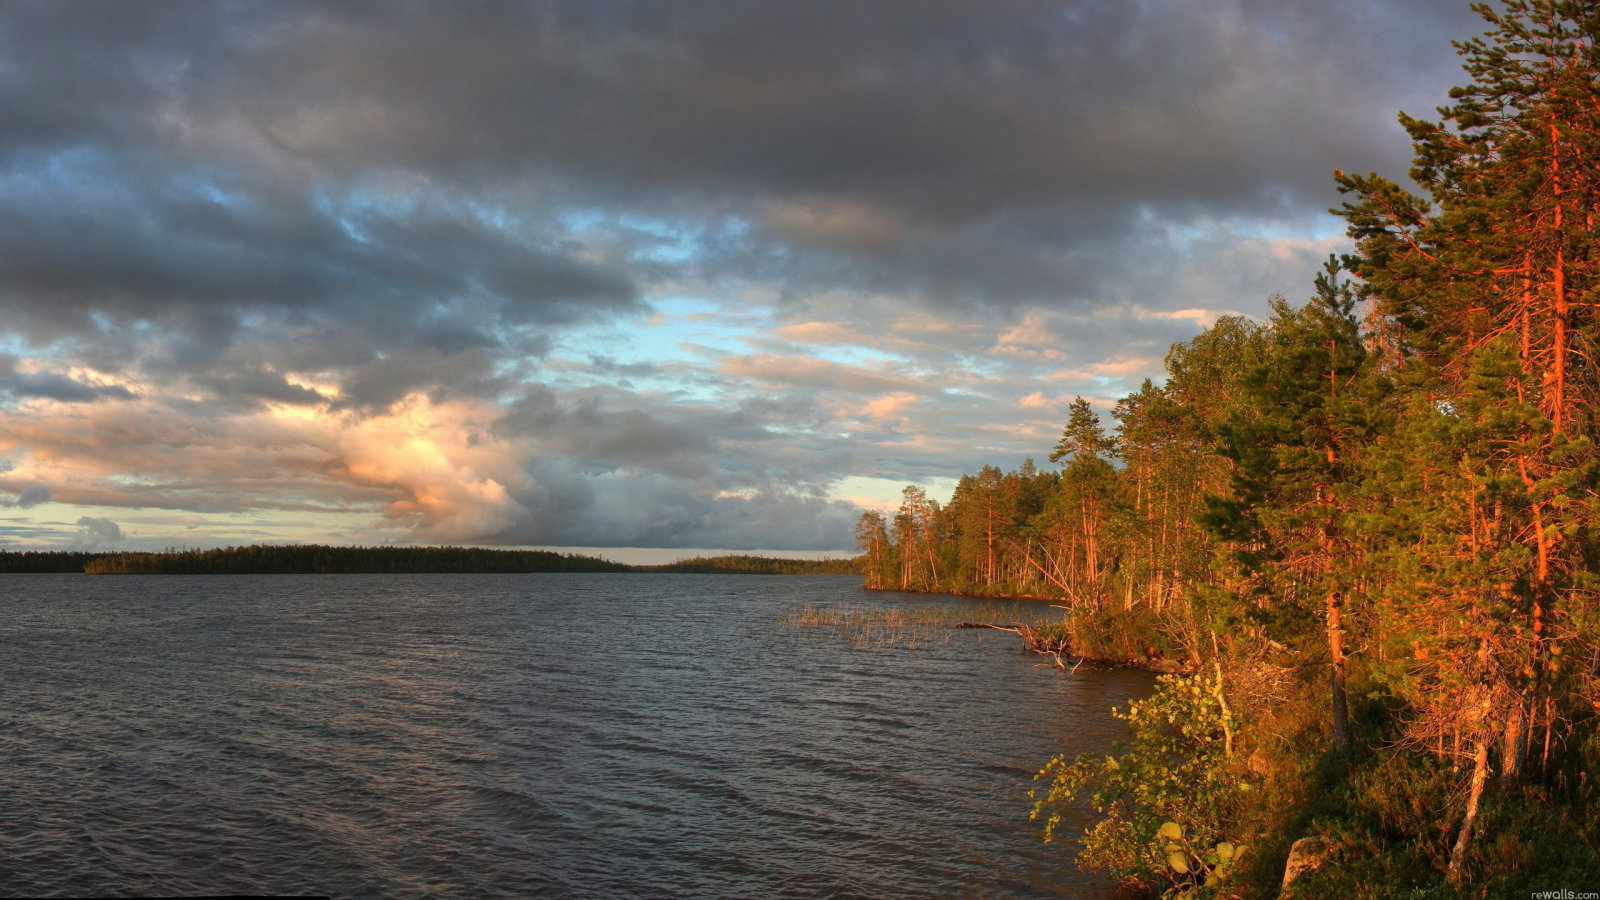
[(519, 735)]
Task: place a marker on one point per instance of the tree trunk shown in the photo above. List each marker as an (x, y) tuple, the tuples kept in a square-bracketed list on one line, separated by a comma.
[(1558, 291), (1341, 705), (1514, 744), (988, 566), (1480, 774), (1549, 726)]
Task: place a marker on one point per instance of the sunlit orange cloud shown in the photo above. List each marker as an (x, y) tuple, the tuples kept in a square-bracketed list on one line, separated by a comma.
[(891, 407), (809, 372), (882, 505), (1031, 338), (1035, 433), (432, 467), (892, 336), (143, 446), (1115, 367), (1205, 318), (449, 476), (823, 333), (923, 443)]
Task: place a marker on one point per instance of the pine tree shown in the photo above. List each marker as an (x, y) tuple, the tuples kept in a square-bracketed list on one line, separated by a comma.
[(1086, 519), (1083, 436), (917, 539), (1311, 414), (1455, 528), (872, 539), (1498, 259), (980, 513)]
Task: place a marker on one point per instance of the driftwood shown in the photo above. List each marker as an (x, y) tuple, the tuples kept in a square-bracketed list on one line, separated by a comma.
[(1031, 640), (987, 625)]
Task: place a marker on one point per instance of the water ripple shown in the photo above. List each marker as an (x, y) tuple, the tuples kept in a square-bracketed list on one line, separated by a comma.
[(511, 736)]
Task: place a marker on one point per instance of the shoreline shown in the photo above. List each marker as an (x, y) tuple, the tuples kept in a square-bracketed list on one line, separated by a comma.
[(1057, 648)]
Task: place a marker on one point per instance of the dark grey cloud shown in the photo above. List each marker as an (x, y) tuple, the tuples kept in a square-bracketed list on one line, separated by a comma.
[(28, 498), (98, 532), (257, 384), (54, 386), (380, 382), (660, 512), (714, 448), (208, 153), (77, 240), (954, 109)]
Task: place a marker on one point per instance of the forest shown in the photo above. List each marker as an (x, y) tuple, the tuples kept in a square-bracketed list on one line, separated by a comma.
[(755, 565), (297, 559), (1368, 523), (38, 561)]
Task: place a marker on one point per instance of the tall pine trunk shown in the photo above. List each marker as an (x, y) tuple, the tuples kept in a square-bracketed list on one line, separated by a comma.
[(1514, 743), (1341, 705), (1336, 662)]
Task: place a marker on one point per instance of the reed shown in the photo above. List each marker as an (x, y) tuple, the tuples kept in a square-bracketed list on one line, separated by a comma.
[(910, 628)]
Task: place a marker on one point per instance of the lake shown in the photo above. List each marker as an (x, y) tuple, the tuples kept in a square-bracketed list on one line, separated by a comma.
[(520, 735)]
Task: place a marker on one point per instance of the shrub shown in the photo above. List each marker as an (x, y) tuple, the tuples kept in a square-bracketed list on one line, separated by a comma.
[(1171, 799)]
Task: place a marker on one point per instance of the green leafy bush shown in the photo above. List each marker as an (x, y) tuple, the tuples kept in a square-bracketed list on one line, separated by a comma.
[(1171, 799)]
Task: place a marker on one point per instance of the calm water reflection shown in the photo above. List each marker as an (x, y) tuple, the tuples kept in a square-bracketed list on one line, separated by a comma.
[(504, 735)]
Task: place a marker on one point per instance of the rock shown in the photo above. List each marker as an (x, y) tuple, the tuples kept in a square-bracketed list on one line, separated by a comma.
[(1307, 855)]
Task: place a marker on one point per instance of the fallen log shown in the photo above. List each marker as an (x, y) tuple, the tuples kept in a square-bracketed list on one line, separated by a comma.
[(1016, 631), (1057, 650)]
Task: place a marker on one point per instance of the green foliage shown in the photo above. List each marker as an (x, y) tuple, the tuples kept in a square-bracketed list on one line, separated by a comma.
[(1083, 438), (1171, 799), (1392, 813), (879, 560)]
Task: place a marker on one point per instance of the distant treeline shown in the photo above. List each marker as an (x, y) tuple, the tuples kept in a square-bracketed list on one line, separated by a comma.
[(47, 560), (319, 559), (757, 565)]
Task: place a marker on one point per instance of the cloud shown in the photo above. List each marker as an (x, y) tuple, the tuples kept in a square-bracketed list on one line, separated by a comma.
[(600, 273), (98, 532), (28, 498), (23, 384), (890, 407), (301, 155), (547, 469), (808, 372)]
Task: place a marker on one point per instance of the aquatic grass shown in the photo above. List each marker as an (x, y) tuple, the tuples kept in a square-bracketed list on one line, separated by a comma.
[(909, 628)]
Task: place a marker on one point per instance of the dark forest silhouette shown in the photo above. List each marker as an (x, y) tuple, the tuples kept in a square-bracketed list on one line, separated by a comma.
[(301, 559)]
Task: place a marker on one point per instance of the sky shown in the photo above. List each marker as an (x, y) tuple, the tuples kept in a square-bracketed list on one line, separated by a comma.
[(636, 277)]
